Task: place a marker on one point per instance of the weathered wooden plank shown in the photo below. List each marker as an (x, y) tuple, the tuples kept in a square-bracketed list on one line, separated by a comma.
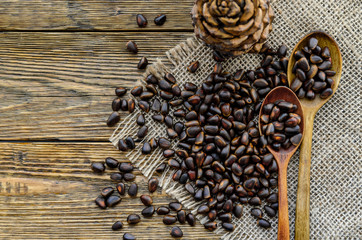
[(92, 14), (59, 86), (47, 191), (55, 118), (75, 64), (59, 161)]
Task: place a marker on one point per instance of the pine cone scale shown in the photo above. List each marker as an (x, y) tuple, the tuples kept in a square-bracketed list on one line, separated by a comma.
[(249, 11), (214, 31), (234, 10), (208, 17), (214, 9), (240, 28), (228, 21)]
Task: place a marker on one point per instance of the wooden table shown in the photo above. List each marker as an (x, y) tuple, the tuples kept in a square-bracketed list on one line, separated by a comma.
[(60, 61)]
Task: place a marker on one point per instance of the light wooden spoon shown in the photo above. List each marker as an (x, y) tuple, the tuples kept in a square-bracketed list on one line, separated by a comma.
[(310, 108), (282, 157)]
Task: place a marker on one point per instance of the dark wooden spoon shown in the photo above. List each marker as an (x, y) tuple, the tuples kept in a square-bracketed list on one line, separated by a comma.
[(310, 108), (282, 157)]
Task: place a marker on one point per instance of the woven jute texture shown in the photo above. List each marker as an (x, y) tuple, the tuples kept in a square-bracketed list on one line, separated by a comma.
[(335, 198)]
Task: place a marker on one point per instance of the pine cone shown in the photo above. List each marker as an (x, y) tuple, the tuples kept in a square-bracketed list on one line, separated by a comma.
[(233, 27)]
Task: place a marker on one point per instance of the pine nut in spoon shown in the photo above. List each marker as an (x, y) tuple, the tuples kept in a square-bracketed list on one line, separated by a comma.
[(282, 154), (310, 108)]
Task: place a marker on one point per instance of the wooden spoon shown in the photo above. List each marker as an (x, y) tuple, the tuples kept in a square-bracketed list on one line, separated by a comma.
[(282, 157), (310, 108)]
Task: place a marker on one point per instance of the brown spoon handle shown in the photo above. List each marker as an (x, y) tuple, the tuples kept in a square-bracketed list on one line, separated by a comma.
[(283, 222), (302, 208)]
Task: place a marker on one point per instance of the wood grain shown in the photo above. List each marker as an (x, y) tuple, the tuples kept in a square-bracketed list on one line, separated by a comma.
[(75, 64), (59, 86), (310, 109), (12, 186), (47, 191), (303, 193), (92, 14), (55, 118)]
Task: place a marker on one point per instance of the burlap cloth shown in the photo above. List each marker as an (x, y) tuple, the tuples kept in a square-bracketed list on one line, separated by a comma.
[(335, 200)]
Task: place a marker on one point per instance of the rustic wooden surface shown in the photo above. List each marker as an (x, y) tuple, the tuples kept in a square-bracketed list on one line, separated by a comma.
[(90, 15), (60, 61)]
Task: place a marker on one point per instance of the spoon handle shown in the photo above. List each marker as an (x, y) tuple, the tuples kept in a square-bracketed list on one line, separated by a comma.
[(302, 208), (283, 216)]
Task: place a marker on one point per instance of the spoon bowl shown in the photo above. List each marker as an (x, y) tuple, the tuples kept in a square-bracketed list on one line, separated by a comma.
[(310, 108), (283, 156), (288, 95), (324, 40)]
